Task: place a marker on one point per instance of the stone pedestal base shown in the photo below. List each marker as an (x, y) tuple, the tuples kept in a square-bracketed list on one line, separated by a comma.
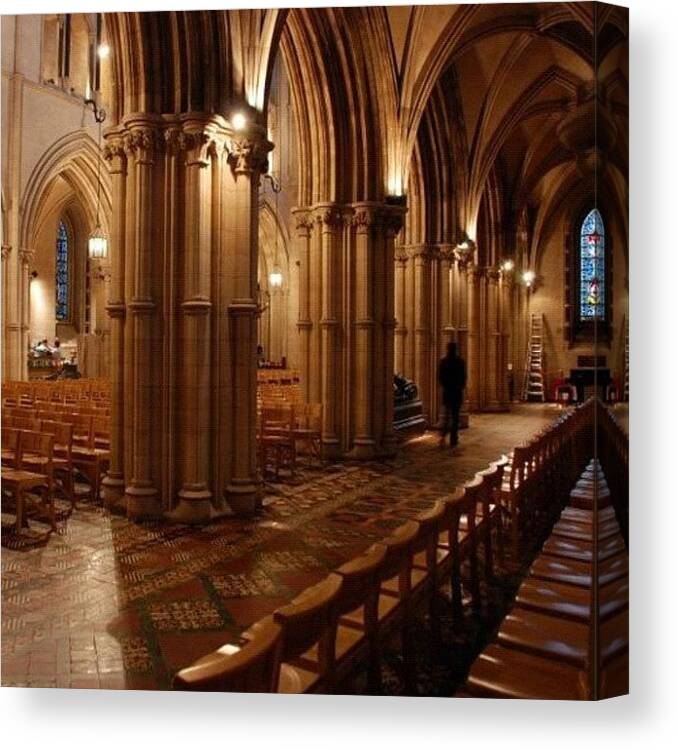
[(331, 449), (363, 450), (142, 502), (195, 506), (113, 494), (245, 499)]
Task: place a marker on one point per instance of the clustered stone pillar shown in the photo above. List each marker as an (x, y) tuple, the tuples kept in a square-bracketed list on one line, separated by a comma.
[(346, 322), (113, 485), (183, 369), (400, 309)]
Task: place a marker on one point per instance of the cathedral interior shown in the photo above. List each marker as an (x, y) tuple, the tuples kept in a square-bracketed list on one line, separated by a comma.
[(235, 247)]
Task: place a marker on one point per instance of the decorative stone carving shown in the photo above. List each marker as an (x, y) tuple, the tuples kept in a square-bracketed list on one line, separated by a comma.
[(248, 155), (27, 256), (364, 218), (329, 218), (6, 250)]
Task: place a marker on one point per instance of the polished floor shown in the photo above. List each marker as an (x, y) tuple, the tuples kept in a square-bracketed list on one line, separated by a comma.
[(107, 603)]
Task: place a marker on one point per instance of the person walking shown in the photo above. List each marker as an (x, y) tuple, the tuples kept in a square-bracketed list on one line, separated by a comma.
[(452, 380)]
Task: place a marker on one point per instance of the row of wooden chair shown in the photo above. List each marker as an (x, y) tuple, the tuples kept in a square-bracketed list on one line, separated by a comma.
[(59, 390), (283, 429), (540, 471), (28, 467), (341, 625), (553, 644), (85, 445), (277, 376)]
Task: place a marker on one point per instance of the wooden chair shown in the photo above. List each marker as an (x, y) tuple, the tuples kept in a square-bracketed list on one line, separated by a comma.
[(34, 449), (309, 629), (253, 667), (357, 613), (64, 468), (276, 437), (308, 428), (10, 446), (395, 585)]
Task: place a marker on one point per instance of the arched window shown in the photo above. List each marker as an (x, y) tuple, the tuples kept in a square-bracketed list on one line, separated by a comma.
[(62, 273), (592, 268)]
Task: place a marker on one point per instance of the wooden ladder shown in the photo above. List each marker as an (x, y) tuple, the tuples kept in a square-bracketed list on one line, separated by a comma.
[(533, 387), (626, 359)]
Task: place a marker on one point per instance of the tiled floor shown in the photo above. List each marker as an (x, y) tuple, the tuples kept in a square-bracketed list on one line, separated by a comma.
[(111, 604)]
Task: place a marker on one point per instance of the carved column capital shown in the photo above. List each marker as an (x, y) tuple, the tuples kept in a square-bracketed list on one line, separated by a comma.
[(114, 153), (446, 253), (364, 217), (303, 221), (328, 217), (101, 272), (6, 250), (248, 153), (27, 256), (492, 274), (420, 252)]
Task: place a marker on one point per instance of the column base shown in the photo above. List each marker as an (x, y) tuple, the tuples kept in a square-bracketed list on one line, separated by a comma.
[(389, 448), (142, 502), (113, 493), (195, 506), (363, 449), (244, 499), (331, 448)]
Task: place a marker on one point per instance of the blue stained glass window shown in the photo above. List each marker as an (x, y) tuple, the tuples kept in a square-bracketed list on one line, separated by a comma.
[(592, 268), (62, 276)]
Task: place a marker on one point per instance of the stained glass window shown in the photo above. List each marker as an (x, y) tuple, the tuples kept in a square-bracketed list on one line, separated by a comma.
[(592, 268), (62, 275)]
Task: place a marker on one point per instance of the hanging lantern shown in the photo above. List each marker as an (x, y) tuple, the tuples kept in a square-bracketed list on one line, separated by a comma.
[(275, 278), (98, 245)]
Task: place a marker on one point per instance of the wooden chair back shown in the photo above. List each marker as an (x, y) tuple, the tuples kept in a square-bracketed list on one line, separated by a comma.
[(310, 619), (360, 585), (254, 668)]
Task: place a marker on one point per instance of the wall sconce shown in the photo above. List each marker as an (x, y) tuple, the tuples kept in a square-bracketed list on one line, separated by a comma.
[(529, 277), (97, 244), (507, 265), (239, 121), (275, 278), (465, 248), (34, 274), (103, 50)]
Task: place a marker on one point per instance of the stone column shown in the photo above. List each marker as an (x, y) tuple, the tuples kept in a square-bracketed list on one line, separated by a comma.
[(421, 255), (446, 320), (493, 341), (474, 280), (141, 492), (100, 279), (302, 224), (27, 260), (6, 250), (247, 157), (504, 339), (393, 222), (364, 444), (195, 495), (460, 286), (400, 309), (113, 485), (329, 221)]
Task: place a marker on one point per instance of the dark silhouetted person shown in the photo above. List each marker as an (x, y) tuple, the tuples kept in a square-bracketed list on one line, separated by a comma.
[(452, 379)]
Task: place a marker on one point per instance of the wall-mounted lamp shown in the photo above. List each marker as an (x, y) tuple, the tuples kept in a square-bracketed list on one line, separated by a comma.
[(97, 244), (464, 248), (34, 274), (103, 50), (239, 121), (507, 265), (529, 277), (275, 278)]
